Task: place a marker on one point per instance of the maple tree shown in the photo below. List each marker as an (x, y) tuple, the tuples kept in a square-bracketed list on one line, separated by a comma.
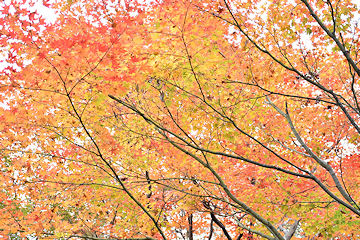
[(180, 119)]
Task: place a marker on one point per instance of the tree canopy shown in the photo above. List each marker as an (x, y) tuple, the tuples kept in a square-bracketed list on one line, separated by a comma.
[(188, 119)]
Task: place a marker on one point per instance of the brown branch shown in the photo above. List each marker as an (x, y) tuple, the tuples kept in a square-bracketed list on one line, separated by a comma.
[(191, 231), (217, 221)]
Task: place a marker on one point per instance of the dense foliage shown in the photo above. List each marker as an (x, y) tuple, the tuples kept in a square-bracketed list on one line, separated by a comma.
[(229, 119)]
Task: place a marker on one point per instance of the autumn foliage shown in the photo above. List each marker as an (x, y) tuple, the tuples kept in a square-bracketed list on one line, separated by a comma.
[(199, 119)]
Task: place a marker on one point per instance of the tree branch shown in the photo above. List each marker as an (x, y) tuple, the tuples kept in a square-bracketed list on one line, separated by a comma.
[(217, 221)]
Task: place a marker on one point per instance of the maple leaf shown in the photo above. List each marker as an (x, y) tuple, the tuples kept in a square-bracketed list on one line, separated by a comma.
[(135, 59)]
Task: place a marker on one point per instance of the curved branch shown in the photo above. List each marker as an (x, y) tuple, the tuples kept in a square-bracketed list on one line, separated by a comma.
[(332, 35), (217, 221), (322, 163)]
